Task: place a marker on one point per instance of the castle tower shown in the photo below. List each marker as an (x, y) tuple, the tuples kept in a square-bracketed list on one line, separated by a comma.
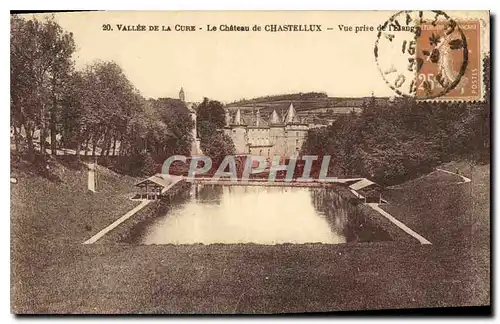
[(239, 134), (182, 96), (276, 134), (295, 132)]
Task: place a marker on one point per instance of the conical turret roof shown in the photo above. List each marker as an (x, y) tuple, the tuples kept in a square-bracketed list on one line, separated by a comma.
[(237, 118), (275, 119), (291, 115)]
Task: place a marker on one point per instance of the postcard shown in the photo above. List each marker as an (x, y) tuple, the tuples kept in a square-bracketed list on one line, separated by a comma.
[(249, 162)]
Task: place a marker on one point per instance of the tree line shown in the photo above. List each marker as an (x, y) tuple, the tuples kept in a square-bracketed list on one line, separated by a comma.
[(281, 97), (399, 139), (94, 107)]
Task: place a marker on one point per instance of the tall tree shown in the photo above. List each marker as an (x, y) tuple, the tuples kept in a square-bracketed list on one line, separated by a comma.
[(72, 115), (210, 116), (217, 146), (40, 63), (174, 114), (210, 119), (110, 101)]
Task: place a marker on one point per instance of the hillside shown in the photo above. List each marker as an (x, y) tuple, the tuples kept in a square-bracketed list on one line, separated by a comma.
[(301, 102), (52, 216), (313, 107)]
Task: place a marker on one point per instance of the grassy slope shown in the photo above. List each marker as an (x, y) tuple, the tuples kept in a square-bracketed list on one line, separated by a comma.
[(114, 278), (51, 218), (448, 212), (454, 216)]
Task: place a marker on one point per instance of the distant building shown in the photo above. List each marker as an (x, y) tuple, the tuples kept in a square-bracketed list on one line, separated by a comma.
[(182, 96), (279, 135)]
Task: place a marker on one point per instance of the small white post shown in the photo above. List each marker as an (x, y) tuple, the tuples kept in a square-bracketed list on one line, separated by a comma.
[(91, 183)]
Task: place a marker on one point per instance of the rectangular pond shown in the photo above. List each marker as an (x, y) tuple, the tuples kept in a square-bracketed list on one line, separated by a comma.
[(258, 214)]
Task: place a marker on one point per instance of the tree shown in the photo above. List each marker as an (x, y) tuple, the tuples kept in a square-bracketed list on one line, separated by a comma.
[(210, 120), (40, 63), (73, 112), (96, 107), (397, 140), (110, 101), (217, 146), (210, 116), (174, 114)]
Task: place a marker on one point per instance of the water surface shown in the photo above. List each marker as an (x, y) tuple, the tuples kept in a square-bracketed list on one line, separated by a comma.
[(254, 214)]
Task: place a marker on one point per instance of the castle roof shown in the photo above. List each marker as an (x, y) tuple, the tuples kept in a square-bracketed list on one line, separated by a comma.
[(291, 115), (275, 118), (255, 119)]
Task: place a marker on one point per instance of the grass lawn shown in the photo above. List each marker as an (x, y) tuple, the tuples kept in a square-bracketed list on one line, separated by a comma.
[(455, 217), (53, 272), (51, 217)]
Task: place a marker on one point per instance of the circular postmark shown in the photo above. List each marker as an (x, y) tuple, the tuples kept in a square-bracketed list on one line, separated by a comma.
[(421, 54)]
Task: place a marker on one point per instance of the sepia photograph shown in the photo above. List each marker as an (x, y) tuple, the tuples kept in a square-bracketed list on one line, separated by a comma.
[(250, 162)]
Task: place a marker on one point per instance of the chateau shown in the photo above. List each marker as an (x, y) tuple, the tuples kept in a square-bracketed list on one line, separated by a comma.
[(275, 134), (279, 135)]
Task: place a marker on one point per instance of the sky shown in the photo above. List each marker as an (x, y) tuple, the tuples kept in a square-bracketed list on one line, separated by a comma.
[(229, 66)]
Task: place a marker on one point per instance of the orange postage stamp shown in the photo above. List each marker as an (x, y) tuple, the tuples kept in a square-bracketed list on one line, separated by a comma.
[(431, 55), (449, 53)]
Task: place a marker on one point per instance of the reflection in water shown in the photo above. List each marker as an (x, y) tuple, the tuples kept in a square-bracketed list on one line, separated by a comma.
[(252, 214), (345, 218), (331, 207), (207, 194)]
